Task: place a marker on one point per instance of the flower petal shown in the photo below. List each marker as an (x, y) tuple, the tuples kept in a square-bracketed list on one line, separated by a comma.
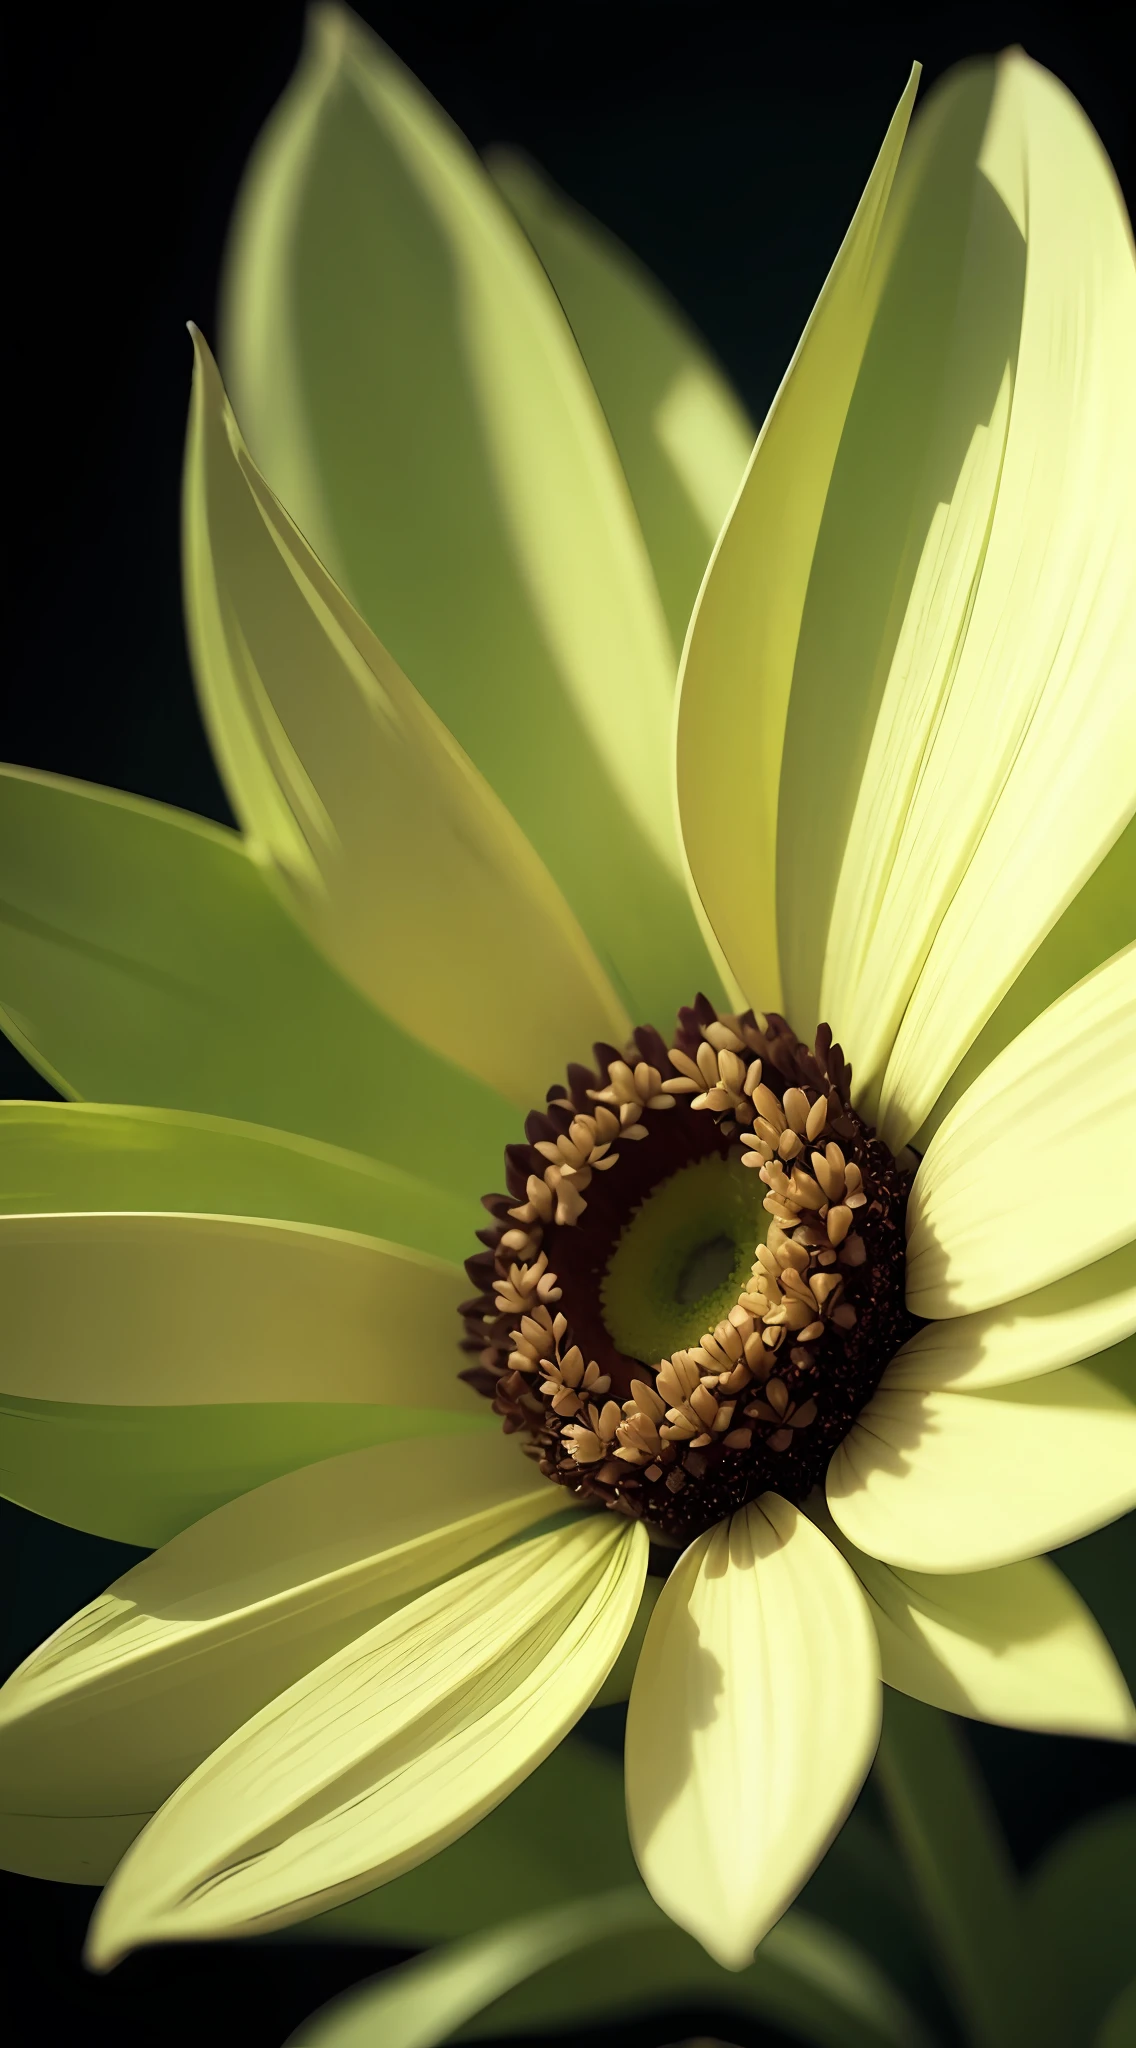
[(389, 847), (973, 598), (682, 436), (982, 1223), (411, 388), (394, 1746), (1088, 1311), (753, 1719), (109, 1714), (63, 1158), (1100, 921), (145, 959), (946, 1482), (739, 661), (181, 1309), (1015, 1645), (140, 1474)]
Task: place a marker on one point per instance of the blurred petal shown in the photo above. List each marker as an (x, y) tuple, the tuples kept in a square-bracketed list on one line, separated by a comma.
[(411, 389), (752, 1723), (946, 1482), (390, 848), (108, 1715), (393, 1747), (682, 436), (740, 660), (58, 1158), (1088, 1311), (1015, 1645), (180, 1309), (139, 1474), (144, 958), (959, 754), (1100, 921), (985, 1222)]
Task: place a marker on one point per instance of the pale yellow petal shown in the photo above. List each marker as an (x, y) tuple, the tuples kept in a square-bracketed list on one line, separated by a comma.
[(390, 848), (753, 1719), (1088, 1311), (106, 1717), (946, 1482), (992, 1215), (389, 1750), (411, 389), (150, 1309), (983, 699), (739, 660), (1015, 1645)]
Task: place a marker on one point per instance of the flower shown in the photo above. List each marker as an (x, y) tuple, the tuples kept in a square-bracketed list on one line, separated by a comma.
[(905, 776)]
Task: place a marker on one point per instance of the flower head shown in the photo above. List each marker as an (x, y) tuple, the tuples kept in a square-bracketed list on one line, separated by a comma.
[(786, 1294)]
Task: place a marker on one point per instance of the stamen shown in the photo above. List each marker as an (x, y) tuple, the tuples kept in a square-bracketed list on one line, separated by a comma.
[(760, 1400)]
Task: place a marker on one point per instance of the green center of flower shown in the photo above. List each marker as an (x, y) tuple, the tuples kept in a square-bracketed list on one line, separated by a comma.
[(683, 1258), (696, 1275)]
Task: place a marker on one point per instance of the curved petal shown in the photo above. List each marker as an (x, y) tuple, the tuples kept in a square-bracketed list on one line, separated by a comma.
[(945, 1482), (410, 386), (1015, 1645), (144, 958), (739, 661), (1088, 1311), (982, 1223), (681, 434), (140, 1474), (109, 1714), (753, 1719), (394, 1746), (1100, 921), (389, 847), (182, 1309), (67, 1158), (974, 598)]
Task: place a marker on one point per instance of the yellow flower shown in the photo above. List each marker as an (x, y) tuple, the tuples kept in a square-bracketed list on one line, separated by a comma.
[(854, 1392)]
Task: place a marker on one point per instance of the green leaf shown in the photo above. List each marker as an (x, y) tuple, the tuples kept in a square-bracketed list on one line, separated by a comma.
[(1081, 1909), (610, 1956), (681, 434), (139, 1475), (410, 388), (144, 958)]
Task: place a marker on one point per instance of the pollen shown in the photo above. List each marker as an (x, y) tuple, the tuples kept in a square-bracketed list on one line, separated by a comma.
[(758, 1399)]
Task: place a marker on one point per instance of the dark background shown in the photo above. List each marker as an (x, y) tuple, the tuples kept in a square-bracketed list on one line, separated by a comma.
[(727, 146)]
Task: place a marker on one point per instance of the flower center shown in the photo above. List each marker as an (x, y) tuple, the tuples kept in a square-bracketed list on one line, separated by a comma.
[(696, 1277)]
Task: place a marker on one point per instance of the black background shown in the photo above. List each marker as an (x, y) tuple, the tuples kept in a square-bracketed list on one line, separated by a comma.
[(727, 146)]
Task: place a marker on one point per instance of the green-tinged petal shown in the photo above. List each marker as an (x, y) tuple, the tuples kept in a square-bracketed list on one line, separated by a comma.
[(410, 387), (109, 1714), (681, 434), (946, 1482), (752, 1722), (389, 847), (1079, 1903), (180, 1309), (1118, 2027), (609, 1956), (1099, 922), (139, 1475), (1014, 1645), (984, 1223), (394, 1746), (1088, 1311), (617, 1685), (740, 658), (65, 1158), (521, 1850), (144, 958), (959, 752)]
